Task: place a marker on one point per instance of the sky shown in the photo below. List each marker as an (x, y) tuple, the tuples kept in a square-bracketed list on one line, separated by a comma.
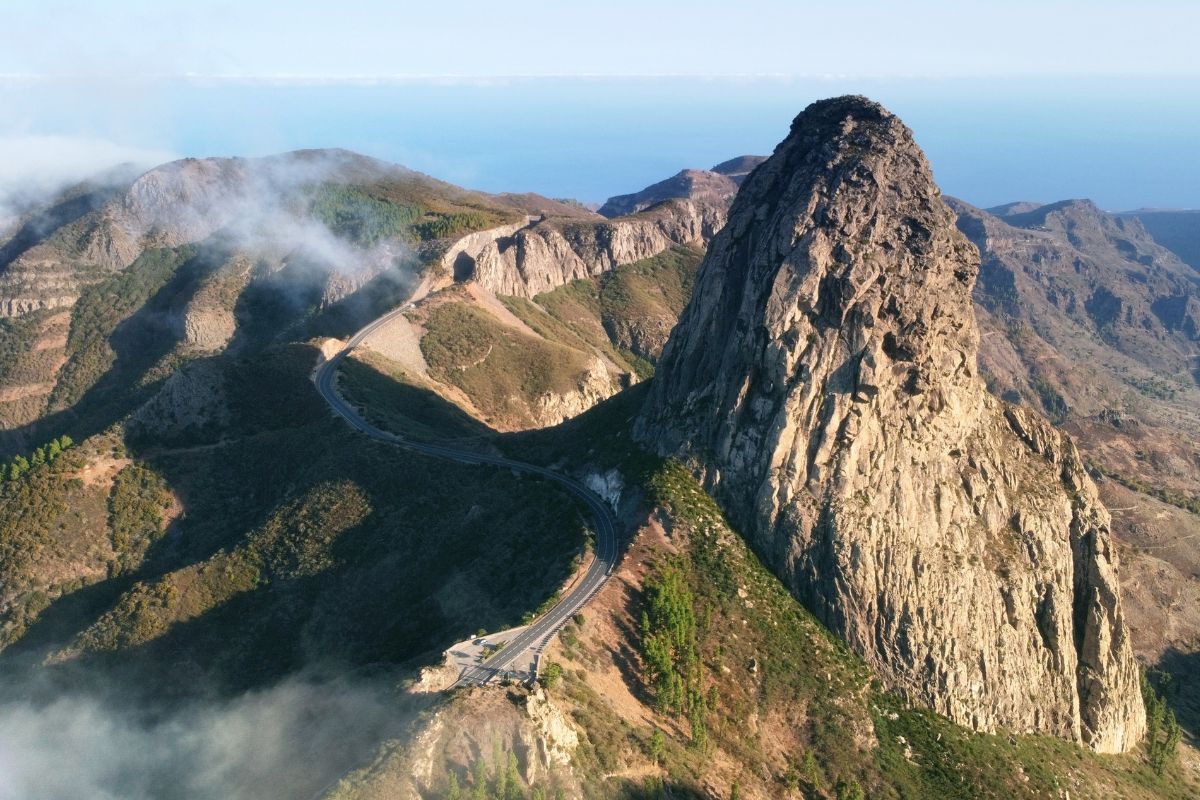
[(316, 38), (1011, 100)]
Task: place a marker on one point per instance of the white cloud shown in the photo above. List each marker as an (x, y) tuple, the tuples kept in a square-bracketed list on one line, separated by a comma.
[(33, 167), (287, 740)]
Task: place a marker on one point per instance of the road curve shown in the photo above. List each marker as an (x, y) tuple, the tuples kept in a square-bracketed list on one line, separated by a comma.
[(520, 651)]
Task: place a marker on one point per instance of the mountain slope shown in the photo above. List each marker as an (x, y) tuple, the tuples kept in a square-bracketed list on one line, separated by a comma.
[(200, 256), (775, 707), (1086, 319), (1178, 231), (716, 186), (114, 287), (822, 381)]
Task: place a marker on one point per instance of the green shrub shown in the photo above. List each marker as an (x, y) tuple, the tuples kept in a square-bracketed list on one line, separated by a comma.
[(551, 675)]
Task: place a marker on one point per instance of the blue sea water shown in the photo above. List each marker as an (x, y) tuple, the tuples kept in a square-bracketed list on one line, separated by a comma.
[(1125, 143)]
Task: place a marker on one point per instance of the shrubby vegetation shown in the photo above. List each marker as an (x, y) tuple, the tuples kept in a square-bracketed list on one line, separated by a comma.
[(101, 308), (301, 540), (1178, 499), (603, 313), (17, 336), (296, 542), (354, 215), (365, 219), (22, 363), (552, 674), (135, 514), (1153, 387), (443, 225), (45, 513), (1052, 401), (500, 369), (670, 653)]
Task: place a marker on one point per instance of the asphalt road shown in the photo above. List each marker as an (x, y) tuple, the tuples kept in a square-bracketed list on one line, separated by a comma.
[(518, 654)]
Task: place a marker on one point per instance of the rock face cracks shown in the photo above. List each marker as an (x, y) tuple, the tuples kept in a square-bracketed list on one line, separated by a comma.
[(823, 383), (544, 256)]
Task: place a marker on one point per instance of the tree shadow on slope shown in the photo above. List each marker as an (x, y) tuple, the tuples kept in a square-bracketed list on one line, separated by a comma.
[(395, 404), (290, 305), (442, 553), (442, 550), (122, 329), (1182, 689)]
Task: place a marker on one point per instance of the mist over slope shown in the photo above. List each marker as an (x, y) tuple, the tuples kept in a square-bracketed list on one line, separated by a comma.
[(282, 741)]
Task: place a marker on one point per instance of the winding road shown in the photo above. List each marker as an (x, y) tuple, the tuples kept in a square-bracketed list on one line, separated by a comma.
[(520, 654)]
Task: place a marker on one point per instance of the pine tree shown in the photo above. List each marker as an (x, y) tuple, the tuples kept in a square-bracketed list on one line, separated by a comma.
[(699, 729), (512, 779), (453, 791), (479, 780), (658, 747), (1162, 729), (498, 774), (18, 467), (551, 674), (849, 790)]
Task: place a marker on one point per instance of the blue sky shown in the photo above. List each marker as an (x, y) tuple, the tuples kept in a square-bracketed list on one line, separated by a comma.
[(317, 38), (1014, 99)]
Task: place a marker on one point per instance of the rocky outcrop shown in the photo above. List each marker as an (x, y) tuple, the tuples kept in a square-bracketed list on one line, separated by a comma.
[(596, 384), (693, 184), (193, 398), (1177, 230), (716, 186), (18, 306), (554, 252), (1085, 317), (475, 727), (644, 335), (739, 168), (459, 260), (822, 382)]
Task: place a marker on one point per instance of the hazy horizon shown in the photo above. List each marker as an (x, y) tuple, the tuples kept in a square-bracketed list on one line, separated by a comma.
[(1015, 101), (1124, 143)]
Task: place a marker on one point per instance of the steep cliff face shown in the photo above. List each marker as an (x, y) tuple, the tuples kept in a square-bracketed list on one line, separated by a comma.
[(542, 257), (823, 383), (1086, 318)]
